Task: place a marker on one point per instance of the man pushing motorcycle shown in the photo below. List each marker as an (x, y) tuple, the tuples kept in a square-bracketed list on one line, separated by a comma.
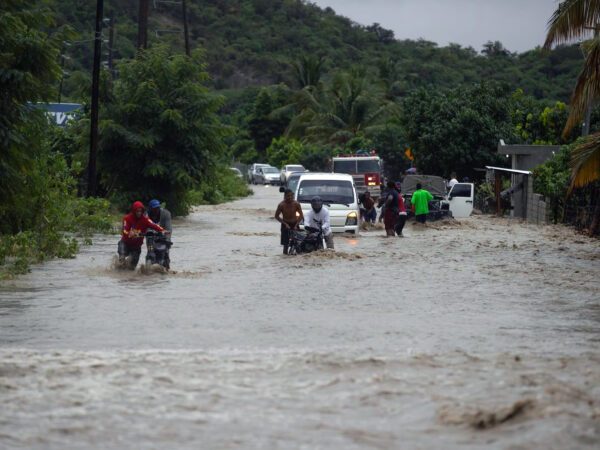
[(135, 225)]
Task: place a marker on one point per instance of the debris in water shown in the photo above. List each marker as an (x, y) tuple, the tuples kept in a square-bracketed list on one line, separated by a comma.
[(484, 419), (330, 254), (244, 233)]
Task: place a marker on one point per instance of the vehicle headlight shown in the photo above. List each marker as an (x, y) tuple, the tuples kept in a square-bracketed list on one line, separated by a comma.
[(352, 218)]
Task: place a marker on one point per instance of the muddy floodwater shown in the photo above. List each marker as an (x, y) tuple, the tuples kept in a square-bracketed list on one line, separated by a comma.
[(479, 333)]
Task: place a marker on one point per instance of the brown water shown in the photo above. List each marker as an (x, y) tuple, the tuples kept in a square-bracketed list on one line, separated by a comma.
[(470, 334)]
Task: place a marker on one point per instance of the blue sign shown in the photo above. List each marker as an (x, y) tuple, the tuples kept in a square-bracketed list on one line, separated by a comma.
[(60, 112)]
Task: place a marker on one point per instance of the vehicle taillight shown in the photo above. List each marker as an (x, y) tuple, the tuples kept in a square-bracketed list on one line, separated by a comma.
[(372, 179)]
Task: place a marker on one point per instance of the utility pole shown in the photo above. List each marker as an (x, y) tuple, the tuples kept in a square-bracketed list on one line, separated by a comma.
[(111, 43), (143, 24), (63, 57), (91, 187), (186, 33)]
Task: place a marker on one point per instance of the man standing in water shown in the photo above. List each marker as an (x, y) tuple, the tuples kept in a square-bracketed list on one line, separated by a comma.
[(420, 200), (289, 214), (135, 224), (390, 215)]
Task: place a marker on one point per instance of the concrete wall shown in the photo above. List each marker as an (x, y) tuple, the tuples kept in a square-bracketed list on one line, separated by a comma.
[(526, 204), (527, 157), (536, 206)]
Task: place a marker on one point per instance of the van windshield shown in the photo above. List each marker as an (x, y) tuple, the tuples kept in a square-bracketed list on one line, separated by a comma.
[(330, 191)]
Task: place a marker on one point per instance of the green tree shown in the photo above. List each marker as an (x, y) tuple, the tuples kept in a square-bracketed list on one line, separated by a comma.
[(28, 66), (573, 19), (457, 130), (538, 122), (308, 70), (338, 112), (263, 125), (161, 136)]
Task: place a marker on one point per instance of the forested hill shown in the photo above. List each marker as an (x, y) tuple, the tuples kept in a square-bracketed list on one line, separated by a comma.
[(252, 42)]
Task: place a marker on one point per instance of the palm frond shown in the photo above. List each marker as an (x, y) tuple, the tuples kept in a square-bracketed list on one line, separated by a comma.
[(572, 20), (587, 89), (585, 161)]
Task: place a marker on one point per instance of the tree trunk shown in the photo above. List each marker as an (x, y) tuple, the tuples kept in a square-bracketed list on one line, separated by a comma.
[(143, 24), (596, 218)]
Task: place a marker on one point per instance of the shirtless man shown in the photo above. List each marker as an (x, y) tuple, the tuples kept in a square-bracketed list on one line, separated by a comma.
[(289, 214)]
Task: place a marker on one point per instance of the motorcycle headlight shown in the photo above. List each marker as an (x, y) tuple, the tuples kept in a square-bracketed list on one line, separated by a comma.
[(352, 218)]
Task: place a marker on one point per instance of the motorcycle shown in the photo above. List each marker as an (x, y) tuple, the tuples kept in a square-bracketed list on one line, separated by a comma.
[(157, 256), (307, 241)]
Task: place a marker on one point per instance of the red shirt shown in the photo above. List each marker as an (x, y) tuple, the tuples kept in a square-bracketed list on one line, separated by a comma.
[(141, 225), (401, 207)]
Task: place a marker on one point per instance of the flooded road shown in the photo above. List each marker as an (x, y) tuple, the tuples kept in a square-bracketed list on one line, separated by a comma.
[(483, 332)]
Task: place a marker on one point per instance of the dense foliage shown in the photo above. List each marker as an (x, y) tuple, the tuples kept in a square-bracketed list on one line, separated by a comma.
[(27, 65), (160, 133), (253, 42), (457, 130)]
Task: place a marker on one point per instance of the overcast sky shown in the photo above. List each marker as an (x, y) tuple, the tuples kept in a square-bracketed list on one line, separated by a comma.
[(519, 24)]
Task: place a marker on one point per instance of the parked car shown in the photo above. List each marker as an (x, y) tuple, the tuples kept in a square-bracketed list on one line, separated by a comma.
[(237, 172), (292, 182), (267, 175), (338, 194), (289, 169), (253, 170)]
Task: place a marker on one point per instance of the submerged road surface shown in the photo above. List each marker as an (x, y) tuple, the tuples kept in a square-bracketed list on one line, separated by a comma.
[(469, 334)]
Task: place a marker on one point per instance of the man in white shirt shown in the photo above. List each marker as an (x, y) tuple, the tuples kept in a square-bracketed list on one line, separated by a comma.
[(452, 181), (318, 214)]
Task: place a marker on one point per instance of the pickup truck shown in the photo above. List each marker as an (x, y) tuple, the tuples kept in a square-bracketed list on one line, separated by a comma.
[(457, 203)]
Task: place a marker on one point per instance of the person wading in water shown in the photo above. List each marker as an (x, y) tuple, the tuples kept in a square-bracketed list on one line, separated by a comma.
[(390, 215), (289, 214)]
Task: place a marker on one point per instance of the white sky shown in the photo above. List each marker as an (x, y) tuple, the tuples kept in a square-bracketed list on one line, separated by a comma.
[(519, 24)]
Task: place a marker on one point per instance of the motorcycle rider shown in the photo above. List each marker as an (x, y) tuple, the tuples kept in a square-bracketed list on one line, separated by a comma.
[(319, 214), (135, 224), (161, 216)]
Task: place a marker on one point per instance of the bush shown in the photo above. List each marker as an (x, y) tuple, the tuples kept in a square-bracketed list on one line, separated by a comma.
[(222, 188), (45, 217)]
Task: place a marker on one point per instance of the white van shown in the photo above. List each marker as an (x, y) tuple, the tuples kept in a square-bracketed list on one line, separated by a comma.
[(339, 195)]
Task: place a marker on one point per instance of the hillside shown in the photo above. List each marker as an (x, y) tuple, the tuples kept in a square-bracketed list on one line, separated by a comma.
[(252, 42)]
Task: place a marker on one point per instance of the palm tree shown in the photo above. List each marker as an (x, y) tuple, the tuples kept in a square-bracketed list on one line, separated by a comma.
[(308, 70), (574, 19), (336, 113)]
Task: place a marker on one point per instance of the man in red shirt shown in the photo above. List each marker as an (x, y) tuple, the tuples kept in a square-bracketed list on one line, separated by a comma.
[(135, 225)]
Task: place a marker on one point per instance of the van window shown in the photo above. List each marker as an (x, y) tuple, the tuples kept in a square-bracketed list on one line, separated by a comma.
[(344, 166), (330, 191), (461, 190)]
